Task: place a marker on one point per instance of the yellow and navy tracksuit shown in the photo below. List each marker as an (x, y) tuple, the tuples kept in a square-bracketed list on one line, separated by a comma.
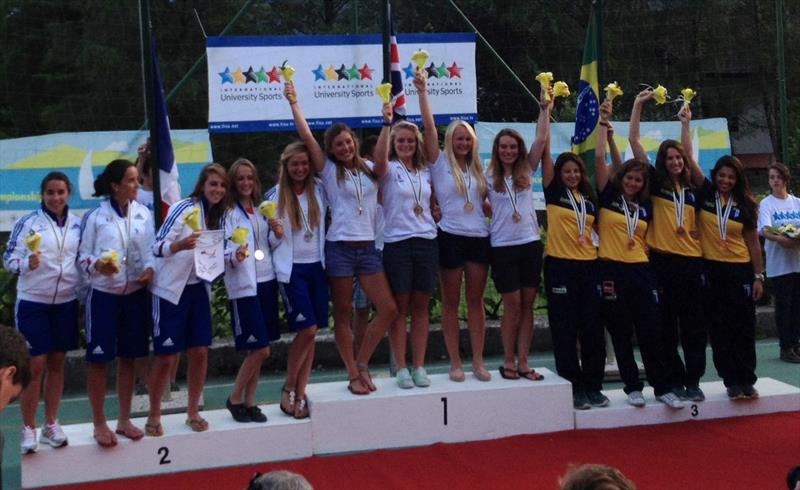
[(730, 277), (677, 262), (573, 290), (630, 294)]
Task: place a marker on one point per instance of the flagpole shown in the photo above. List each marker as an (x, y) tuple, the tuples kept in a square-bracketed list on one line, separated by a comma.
[(386, 48), (147, 54), (598, 25)]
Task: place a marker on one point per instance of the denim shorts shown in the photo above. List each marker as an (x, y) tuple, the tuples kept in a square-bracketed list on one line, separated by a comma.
[(348, 259)]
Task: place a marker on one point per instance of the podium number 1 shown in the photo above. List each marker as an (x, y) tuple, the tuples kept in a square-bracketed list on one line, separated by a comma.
[(444, 409)]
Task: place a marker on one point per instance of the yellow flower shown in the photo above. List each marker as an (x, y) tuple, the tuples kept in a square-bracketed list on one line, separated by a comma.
[(287, 71), (268, 209), (239, 235), (544, 78), (613, 91), (420, 57), (561, 89), (33, 241), (109, 256), (384, 91), (660, 94), (688, 95), (192, 218)]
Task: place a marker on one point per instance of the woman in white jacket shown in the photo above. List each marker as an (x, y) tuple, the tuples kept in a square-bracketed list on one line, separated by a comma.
[(182, 308), (46, 311), (251, 284), (299, 262), (116, 238)]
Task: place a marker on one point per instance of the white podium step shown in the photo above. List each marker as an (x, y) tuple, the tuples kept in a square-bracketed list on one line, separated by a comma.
[(226, 443), (444, 412), (775, 396)]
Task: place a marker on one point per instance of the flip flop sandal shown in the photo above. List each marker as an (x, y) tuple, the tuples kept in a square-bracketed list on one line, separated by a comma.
[(288, 411), (135, 436), (197, 425), (153, 430), (508, 373), (366, 378), (302, 409), (358, 392), (111, 442), (531, 375)]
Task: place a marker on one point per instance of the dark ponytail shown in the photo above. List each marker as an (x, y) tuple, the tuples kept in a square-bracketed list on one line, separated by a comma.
[(112, 174), (56, 175)]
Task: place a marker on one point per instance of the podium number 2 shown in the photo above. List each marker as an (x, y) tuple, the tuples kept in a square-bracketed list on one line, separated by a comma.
[(164, 452), (444, 409)]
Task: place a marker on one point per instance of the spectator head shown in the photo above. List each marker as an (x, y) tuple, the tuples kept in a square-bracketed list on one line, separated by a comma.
[(15, 371)]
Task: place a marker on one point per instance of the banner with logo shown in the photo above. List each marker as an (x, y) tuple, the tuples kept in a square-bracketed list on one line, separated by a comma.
[(82, 156), (335, 78), (710, 139)]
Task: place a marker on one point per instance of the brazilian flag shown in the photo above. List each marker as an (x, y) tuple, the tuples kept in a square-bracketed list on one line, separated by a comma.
[(587, 113)]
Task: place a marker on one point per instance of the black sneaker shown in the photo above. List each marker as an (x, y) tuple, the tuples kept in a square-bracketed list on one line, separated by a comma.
[(255, 414), (749, 391), (580, 401), (695, 394), (680, 392), (238, 411), (735, 392), (597, 399), (788, 354)]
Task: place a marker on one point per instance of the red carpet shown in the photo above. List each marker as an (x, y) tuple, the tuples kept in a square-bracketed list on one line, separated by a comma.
[(737, 453)]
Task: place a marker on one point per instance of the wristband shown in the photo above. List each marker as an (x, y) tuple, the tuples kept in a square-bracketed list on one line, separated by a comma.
[(387, 123), (759, 277)]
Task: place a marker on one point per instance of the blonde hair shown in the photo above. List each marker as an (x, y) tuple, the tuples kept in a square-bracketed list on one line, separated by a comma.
[(288, 204), (521, 171), (418, 159), (473, 161), (233, 193)]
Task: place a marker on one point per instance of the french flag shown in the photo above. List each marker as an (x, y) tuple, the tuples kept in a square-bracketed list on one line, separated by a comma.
[(168, 167), (398, 93)]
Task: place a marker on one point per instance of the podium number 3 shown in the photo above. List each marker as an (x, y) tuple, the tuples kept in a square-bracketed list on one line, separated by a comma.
[(164, 452), (444, 409)]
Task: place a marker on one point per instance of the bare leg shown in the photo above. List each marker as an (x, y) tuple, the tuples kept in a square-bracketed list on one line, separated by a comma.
[(509, 328), (248, 372), (53, 385), (342, 289), (252, 385), (126, 377), (159, 377), (420, 325), (360, 326), (397, 330), (196, 379), (377, 288), (525, 332), (475, 275), (451, 297), (96, 388), (29, 399)]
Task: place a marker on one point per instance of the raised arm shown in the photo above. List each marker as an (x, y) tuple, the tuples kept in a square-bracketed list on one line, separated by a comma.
[(685, 115), (601, 169), (431, 136), (636, 118), (537, 147), (543, 138), (314, 150), (381, 154)]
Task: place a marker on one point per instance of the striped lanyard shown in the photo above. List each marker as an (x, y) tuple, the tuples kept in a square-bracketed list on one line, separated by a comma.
[(631, 220), (722, 215), (356, 178), (580, 215), (679, 202)]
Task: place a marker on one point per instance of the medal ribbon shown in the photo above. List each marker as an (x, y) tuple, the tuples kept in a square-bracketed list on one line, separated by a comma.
[(417, 195), (512, 195), (63, 241), (304, 218), (467, 176), (631, 221), (359, 189), (126, 236), (580, 212), (679, 202), (722, 216)]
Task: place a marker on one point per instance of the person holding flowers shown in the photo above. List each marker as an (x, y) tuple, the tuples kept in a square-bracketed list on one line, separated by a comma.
[(675, 252), (779, 224), (351, 187), (459, 186), (182, 306), (251, 284), (299, 260), (42, 251), (115, 254)]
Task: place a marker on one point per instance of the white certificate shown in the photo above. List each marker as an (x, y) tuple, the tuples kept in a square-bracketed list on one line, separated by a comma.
[(209, 260)]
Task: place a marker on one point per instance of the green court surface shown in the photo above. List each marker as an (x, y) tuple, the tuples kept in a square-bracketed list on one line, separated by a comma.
[(75, 407)]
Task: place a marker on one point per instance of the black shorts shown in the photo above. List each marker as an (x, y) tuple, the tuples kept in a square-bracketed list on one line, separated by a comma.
[(457, 250), (517, 266), (410, 265)]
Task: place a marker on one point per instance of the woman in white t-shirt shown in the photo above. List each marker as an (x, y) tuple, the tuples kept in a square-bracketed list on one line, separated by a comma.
[(351, 187), (516, 254), (460, 189), (410, 252), (783, 259)]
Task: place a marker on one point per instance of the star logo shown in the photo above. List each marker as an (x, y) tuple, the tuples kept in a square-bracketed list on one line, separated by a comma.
[(342, 73), (455, 70), (443, 73), (238, 76), (226, 76), (330, 73), (432, 72), (366, 72), (409, 71), (261, 75), (319, 73), (274, 75), (250, 76), (353, 73)]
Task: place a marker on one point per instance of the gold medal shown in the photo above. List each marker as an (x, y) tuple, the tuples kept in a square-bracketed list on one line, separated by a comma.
[(681, 230), (469, 207), (581, 241), (516, 217), (259, 254), (631, 243), (418, 210), (307, 236)]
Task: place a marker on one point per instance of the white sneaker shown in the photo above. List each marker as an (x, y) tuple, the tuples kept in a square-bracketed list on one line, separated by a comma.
[(27, 440), (671, 400), (636, 398), (420, 377), (404, 378), (53, 434)]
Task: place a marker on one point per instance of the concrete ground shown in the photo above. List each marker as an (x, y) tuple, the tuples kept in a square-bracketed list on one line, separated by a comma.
[(75, 406)]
